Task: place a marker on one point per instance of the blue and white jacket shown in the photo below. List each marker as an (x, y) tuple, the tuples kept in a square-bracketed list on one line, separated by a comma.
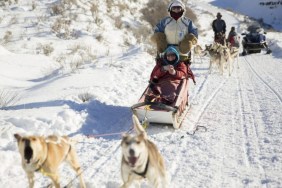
[(175, 30)]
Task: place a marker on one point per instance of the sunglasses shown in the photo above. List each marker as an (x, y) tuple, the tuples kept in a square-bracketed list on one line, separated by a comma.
[(176, 8)]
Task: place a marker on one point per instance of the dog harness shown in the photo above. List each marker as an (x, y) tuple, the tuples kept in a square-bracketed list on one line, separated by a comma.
[(143, 174), (40, 166)]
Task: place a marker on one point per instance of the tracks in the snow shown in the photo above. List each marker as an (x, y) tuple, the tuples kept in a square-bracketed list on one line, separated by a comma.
[(263, 81)]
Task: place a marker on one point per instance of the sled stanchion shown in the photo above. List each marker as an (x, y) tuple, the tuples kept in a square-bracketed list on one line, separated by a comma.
[(154, 104)]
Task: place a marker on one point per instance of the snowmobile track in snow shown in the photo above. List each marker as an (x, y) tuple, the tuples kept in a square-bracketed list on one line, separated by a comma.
[(273, 90), (251, 145), (202, 110)]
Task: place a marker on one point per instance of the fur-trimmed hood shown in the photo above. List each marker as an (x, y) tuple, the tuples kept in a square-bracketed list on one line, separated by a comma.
[(175, 3)]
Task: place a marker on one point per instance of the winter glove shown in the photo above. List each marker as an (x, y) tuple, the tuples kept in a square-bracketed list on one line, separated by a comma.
[(152, 87), (160, 40), (152, 83), (187, 43)]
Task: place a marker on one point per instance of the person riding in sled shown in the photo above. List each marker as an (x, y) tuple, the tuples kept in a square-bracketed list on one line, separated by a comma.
[(166, 77), (176, 30), (233, 38), (219, 29)]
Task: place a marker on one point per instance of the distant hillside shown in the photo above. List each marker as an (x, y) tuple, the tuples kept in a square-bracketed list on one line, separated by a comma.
[(270, 11)]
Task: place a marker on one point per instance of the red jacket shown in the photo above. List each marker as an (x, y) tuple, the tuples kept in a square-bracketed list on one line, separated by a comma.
[(159, 73)]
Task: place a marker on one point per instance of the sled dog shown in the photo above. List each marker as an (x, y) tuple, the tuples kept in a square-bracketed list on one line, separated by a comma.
[(234, 54), (141, 159), (214, 55), (198, 51), (219, 55), (40, 154)]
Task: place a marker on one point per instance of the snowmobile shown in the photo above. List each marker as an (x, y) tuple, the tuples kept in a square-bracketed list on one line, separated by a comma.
[(254, 41), (157, 111)]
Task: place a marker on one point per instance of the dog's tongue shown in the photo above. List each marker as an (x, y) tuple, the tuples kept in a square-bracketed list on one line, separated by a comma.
[(132, 160)]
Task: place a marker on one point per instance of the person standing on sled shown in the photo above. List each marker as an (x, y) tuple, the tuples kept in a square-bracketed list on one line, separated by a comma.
[(166, 77), (219, 29), (176, 30)]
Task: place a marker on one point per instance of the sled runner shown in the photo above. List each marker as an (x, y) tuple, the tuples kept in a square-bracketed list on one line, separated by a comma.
[(160, 110)]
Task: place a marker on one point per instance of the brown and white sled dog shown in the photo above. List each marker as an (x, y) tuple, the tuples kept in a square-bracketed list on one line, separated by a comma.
[(220, 56), (199, 52), (141, 159), (40, 154)]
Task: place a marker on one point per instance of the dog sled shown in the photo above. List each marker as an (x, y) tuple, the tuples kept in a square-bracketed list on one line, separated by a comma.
[(159, 110), (254, 41), (220, 38)]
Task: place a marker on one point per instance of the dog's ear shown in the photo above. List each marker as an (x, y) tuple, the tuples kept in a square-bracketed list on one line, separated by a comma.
[(143, 136), (124, 136), (17, 136), (137, 126)]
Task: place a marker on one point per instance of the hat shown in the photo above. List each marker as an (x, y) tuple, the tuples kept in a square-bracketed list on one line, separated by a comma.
[(170, 50), (176, 3), (218, 14)]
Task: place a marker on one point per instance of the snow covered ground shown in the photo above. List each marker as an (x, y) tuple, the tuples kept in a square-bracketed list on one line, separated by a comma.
[(242, 113)]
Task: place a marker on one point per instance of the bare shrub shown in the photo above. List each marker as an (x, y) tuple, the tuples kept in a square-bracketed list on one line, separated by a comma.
[(8, 98), (94, 9), (98, 21), (86, 52), (76, 62), (85, 96), (99, 37), (122, 6), (189, 13), (57, 9), (118, 22), (61, 28), (46, 49), (109, 4), (154, 11), (78, 56), (141, 33), (61, 59), (13, 20), (42, 18), (74, 2), (157, 9), (33, 5), (7, 37)]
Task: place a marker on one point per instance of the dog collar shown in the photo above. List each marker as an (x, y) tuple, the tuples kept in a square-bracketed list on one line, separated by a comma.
[(40, 166), (143, 174)]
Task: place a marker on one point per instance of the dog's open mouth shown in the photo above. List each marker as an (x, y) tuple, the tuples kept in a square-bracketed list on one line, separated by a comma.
[(28, 153), (132, 160)]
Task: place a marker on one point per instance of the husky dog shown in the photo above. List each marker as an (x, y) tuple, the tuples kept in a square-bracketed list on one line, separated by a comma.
[(212, 49), (234, 55), (219, 55), (141, 159), (198, 51), (44, 155)]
